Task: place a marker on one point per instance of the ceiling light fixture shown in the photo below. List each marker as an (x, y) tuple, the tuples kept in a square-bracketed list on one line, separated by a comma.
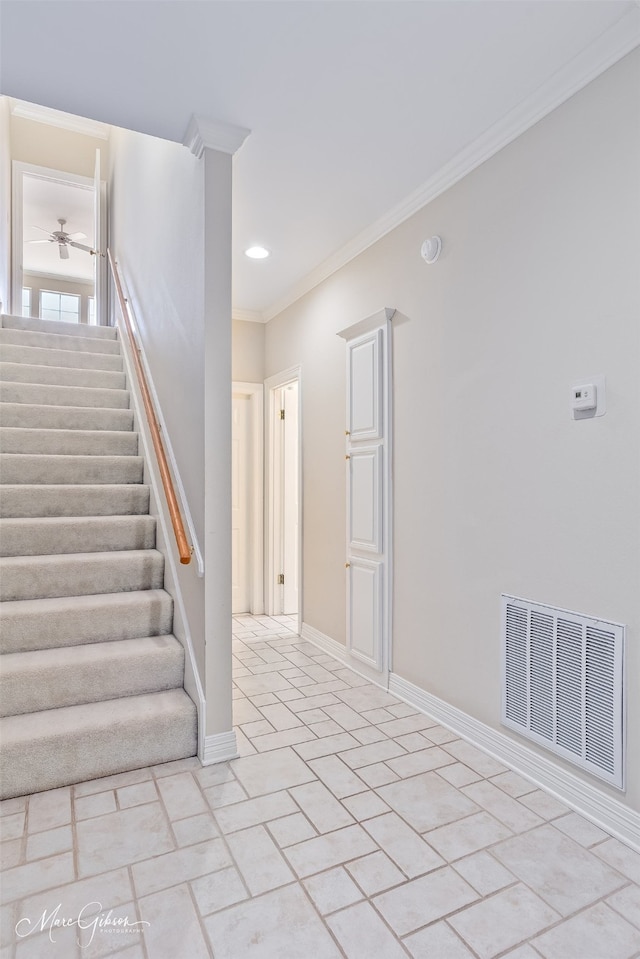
[(257, 253)]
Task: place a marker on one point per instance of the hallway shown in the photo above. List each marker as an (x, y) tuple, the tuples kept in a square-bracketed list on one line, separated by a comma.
[(351, 825)]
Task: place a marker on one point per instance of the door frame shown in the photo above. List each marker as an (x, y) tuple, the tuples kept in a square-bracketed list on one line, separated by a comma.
[(19, 170), (273, 543), (255, 393)]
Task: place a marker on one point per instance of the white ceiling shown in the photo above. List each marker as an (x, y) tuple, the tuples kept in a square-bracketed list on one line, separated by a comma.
[(355, 107), (44, 203)]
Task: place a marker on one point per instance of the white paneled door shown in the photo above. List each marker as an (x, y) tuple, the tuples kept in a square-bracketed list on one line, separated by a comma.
[(368, 472)]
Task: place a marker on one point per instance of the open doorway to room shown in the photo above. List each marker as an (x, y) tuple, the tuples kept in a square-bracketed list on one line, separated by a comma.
[(247, 510), (284, 500), (57, 227)]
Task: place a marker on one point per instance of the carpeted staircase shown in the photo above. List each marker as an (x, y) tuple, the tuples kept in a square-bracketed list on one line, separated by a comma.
[(91, 679)]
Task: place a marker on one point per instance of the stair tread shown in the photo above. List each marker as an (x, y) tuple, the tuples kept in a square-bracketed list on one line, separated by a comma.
[(47, 394), (44, 535), (49, 605), (60, 442), (117, 650), (111, 555), (35, 680), (45, 374), (76, 574), (29, 624), (59, 341), (11, 321), (66, 720), (49, 356), (49, 416)]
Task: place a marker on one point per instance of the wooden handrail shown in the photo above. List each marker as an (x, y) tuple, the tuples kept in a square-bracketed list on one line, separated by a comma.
[(184, 549)]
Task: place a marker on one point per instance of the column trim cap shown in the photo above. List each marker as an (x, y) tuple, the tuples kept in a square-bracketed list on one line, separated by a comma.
[(203, 133)]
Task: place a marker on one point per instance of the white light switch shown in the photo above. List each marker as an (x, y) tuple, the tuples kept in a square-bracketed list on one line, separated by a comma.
[(584, 397)]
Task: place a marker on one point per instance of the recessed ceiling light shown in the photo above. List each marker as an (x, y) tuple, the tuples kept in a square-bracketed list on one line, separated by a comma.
[(257, 252)]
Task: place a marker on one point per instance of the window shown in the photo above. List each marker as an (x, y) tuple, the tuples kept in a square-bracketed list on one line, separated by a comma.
[(26, 301), (92, 310), (59, 306)]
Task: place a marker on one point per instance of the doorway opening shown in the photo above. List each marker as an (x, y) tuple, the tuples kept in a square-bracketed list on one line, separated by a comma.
[(247, 509), (58, 223), (284, 495)]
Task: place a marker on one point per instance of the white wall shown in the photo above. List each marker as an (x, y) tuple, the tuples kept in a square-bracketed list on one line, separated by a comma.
[(156, 233), (496, 487), (48, 146), (247, 353), (5, 203)]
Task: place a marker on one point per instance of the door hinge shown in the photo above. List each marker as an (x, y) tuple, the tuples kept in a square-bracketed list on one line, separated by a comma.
[(281, 579), (281, 414)]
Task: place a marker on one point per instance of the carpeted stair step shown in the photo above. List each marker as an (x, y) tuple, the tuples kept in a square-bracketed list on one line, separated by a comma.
[(77, 534), (52, 678), (57, 341), (32, 468), (69, 442), (43, 395), (79, 574), (77, 620), (53, 748), (64, 417), (32, 323), (42, 356), (69, 500), (62, 376)]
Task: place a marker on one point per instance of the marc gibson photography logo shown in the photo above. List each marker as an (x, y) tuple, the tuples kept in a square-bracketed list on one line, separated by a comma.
[(91, 917)]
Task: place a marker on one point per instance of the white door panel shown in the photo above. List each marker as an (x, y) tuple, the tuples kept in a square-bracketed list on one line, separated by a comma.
[(365, 499), (365, 619), (365, 387)]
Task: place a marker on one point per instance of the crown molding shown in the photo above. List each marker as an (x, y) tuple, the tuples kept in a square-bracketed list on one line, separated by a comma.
[(610, 47), (208, 134), (248, 316), (56, 118)]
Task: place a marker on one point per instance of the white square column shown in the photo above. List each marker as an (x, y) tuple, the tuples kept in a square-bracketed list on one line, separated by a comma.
[(215, 144)]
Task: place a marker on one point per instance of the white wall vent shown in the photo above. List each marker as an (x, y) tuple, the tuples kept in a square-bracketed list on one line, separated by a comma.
[(563, 684)]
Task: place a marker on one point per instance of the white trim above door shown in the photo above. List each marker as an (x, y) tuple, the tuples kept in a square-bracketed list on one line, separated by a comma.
[(369, 494)]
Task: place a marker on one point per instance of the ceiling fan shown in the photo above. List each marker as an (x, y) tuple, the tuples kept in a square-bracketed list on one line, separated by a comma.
[(64, 240)]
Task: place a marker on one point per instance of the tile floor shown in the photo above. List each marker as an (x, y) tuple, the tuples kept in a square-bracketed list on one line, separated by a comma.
[(352, 825)]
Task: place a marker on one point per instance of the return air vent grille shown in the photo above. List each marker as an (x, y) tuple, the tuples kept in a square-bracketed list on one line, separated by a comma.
[(563, 684)]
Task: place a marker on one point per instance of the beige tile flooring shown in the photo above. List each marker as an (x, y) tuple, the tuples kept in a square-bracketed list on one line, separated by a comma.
[(352, 825)]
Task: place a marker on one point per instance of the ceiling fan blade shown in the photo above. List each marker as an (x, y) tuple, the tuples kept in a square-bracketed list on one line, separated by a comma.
[(64, 253), (77, 236), (81, 246), (42, 230), (39, 241)]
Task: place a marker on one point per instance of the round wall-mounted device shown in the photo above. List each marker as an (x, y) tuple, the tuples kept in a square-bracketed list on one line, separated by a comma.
[(430, 249)]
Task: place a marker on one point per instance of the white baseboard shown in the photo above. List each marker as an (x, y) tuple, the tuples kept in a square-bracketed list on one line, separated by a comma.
[(339, 652), (603, 810), (219, 748), (586, 799)]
